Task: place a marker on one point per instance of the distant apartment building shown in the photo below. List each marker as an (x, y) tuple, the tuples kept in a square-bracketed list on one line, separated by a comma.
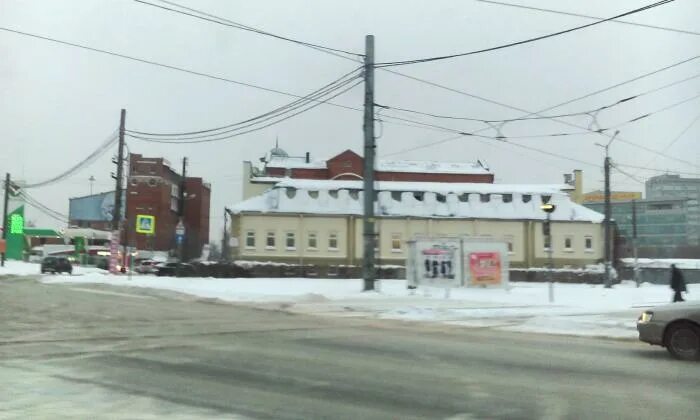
[(153, 188), (667, 219), (348, 165)]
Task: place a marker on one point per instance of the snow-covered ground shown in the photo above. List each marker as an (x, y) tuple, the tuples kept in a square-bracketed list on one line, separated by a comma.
[(578, 309)]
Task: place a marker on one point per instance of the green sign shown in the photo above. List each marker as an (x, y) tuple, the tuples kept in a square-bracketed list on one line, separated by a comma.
[(16, 224), (145, 224), (15, 234)]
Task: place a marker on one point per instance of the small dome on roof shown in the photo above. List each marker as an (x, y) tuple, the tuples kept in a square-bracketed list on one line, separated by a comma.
[(278, 152)]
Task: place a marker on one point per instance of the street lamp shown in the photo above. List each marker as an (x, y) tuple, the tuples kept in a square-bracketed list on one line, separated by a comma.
[(549, 208)]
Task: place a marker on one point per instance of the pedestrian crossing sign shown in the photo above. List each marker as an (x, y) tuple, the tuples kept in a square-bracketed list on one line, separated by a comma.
[(145, 224)]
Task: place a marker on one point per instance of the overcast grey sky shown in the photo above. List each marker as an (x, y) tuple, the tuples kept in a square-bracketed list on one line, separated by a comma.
[(58, 103)]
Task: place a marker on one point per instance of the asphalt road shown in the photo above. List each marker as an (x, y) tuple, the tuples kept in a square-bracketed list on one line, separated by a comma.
[(69, 351)]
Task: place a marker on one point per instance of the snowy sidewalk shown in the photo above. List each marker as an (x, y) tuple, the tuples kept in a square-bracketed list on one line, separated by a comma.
[(578, 309)]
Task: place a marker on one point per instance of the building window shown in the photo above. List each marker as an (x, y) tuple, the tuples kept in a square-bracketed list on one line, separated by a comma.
[(270, 242), (589, 244), (291, 241), (396, 243), (568, 244), (333, 241), (312, 241), (250, 239)]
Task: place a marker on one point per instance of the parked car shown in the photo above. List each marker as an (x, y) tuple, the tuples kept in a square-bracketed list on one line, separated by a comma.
[(56, 265), (146, 267), (675, 326), (175, 269)]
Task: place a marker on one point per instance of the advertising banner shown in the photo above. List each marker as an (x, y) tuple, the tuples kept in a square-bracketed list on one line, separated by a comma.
[(436, 262), (457, 262)]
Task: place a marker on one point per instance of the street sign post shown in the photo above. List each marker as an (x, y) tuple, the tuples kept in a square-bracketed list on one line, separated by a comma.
[(145, 224), (180, 232)]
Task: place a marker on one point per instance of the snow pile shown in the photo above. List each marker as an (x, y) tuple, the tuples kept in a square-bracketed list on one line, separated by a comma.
[(578, 309), (682, 263), (19, 268)]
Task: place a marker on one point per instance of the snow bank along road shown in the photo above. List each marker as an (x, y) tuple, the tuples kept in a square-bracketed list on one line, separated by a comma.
[(97, 351), (578, 309)]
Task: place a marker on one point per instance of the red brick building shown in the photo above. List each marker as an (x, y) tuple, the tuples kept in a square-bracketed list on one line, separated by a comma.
[(348, 165), (153, 188)]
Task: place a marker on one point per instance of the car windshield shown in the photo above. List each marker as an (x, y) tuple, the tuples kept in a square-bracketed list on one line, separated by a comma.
[(350, 209)]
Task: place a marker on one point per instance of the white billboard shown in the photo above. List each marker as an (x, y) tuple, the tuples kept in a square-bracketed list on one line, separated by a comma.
[(457, 262)]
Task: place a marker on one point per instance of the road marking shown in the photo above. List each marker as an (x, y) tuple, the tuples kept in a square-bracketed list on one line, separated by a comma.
[(104, 292)]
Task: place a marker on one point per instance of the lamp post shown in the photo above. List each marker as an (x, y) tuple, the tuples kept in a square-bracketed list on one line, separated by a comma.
[(547, 232)]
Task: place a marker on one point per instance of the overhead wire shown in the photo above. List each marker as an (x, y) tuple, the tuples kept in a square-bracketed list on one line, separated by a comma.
[(559, 12), (245, 27), (236, 134), (543, 117), (99, 151), (167, 66), (220, 22), (43, 208), (314, 96), (675, 139), (522, 42)]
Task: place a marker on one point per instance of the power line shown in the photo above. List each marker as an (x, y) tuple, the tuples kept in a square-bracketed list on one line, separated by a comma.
[(167, 66), (525, 41), (543, 117), (539, 113), (642, 168), (101, 149), (43, 208), (675, 139), (186, 141), (221, 22), (559, 12), (315, 96)]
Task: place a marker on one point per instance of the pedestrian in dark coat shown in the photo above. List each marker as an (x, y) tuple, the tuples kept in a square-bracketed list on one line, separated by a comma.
[(677, 284)]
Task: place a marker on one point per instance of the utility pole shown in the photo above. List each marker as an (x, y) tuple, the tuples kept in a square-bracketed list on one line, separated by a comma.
[(608, 236), (118, 192), (608, 247), (634, 241), (369, 236), (116, 214), (91, 180), (181, 213), (6, 201), (224, 239)]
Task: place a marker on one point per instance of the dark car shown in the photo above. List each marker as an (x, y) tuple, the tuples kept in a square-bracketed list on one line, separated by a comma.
[(56, 265), (175, 269), (676, 327)]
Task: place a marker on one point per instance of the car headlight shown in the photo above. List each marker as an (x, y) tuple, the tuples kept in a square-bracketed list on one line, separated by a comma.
[(645, 317)]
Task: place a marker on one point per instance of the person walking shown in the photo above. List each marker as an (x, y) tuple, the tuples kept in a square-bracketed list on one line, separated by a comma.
[(677, 284)]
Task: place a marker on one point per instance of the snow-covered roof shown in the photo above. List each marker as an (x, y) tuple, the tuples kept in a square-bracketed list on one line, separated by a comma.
[(295, 163), (419, 199), (438, 187), (416, 166)]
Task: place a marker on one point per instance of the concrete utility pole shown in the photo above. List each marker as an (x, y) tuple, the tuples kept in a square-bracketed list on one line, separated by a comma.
[(369, 273), (224, 239), (608, 231), (91, 180), (181, 211), (6, 201), (117, 213), (634, 241)]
